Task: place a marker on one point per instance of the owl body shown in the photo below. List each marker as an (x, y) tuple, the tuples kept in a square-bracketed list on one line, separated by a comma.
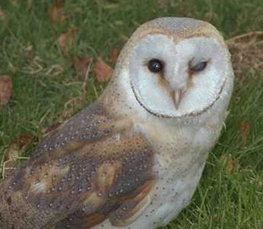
[(134, 158), (181, 148)]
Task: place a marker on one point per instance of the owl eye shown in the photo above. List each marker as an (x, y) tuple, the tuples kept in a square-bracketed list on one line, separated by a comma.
[(155, 65), (199, 67)]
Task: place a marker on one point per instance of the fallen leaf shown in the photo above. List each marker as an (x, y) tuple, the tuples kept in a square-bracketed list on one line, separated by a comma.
[(66, 39), (23, 140), (6, 87), (50, 128), (230, 166), (56, 12), (81, 66), (102, 70), (114, 54), (244, 128), (3, 17), (230, 163)]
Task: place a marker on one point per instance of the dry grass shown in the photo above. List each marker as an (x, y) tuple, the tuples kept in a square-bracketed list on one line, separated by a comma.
[(247, 52), (47, 90)]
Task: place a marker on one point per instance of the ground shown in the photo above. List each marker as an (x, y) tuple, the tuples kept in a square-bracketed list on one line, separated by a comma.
[(42, 42)]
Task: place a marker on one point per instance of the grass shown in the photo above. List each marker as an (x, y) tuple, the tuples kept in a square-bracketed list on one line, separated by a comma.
[(47, 90)]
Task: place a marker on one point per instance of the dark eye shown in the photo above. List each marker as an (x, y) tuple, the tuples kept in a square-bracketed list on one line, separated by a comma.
[(155, 65), (199, 67)]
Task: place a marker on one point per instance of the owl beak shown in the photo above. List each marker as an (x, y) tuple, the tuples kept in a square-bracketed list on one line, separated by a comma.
[(178, 95)]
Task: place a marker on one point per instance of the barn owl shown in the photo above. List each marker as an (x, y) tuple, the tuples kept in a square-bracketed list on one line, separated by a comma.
[(132, 159)]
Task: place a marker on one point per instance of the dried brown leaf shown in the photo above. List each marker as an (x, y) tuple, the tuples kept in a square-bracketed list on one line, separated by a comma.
[(6, 86), (56, 12), (3, 17), (114, 54), (23, 140), (230, 163), (66, 40), (81, 66), (231, 166), (50, 128), (244, 128), (102, 70)]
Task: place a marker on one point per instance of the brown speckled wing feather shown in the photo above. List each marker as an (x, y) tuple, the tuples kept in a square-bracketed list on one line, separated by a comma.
[(90, 169)]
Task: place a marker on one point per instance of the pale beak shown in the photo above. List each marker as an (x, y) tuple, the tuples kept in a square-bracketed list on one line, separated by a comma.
[(178, 95)]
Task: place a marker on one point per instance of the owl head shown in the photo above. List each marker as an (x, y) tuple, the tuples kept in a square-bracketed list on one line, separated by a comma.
[(175, 67)]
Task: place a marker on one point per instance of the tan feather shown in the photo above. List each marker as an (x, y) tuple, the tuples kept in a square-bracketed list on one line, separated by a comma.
[(90, 174)]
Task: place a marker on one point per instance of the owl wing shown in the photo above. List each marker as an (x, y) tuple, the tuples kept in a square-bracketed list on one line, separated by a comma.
[(90, 169)]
